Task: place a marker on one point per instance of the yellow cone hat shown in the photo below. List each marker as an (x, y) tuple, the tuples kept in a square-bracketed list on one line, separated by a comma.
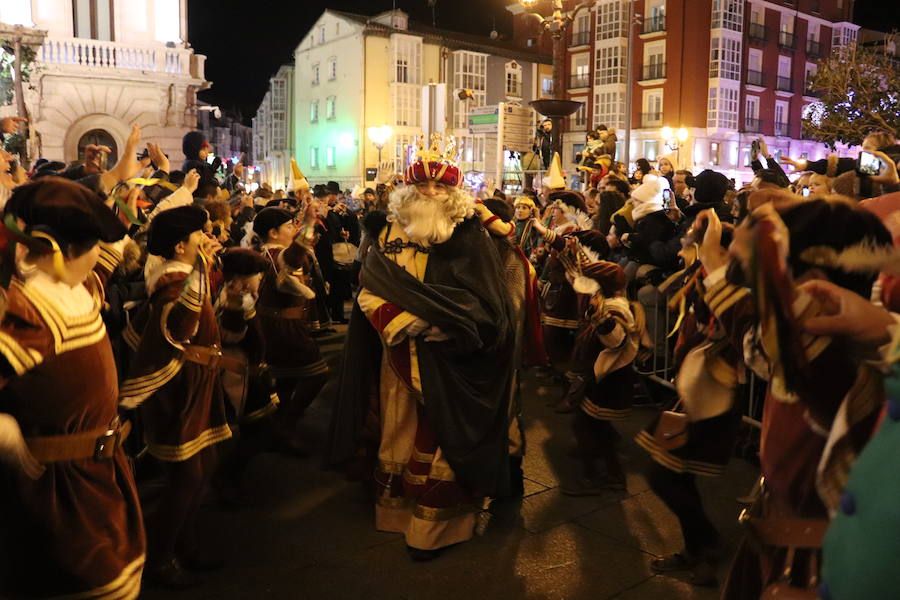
[(554, 178), (301, 184)]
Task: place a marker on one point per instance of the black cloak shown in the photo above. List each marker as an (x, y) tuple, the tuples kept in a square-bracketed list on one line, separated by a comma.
[(465, 380)]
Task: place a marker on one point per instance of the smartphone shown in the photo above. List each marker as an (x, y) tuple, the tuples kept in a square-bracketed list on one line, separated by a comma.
[(754, 145), (805, 192), (868, 164), (667, 194)]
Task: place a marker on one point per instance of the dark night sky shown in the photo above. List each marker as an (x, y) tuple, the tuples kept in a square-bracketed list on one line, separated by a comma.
[(246, 41)]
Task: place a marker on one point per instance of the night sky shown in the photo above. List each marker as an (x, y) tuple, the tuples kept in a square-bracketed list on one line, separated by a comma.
[(245, 42)]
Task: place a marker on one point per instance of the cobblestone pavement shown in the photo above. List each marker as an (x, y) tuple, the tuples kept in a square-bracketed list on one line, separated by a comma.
[(310, 534)]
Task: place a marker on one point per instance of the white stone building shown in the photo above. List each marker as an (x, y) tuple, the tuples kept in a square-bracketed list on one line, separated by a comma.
[(105, 65), (273, 144)]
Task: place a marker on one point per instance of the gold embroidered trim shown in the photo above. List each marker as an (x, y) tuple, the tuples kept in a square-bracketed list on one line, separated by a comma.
[(265, 411), (184, 451), (126, 586), (679, 465), (564, 323), (604, 414), (68, 333), (20, 358), (428, 513)]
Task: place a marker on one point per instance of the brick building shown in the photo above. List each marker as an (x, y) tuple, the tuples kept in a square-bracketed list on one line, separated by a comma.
[(726, 71)]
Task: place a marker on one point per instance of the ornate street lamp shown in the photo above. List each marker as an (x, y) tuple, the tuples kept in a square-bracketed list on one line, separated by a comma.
[(379, 136), (556, 23), (674, 140)]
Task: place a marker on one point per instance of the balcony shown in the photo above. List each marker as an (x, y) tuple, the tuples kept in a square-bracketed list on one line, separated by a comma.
[(655, 24), (581, 38), (651, 119), (580, 80), (808, 91), (784, 84), (782, 129), (786, 40), (756, 78), (99, 55), (753, 125), (813, 49), (757, 33), (653, 71)]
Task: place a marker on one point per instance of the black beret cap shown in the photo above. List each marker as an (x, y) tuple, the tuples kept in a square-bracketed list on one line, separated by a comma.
[(270, 218), (171, 226), (238, 262)]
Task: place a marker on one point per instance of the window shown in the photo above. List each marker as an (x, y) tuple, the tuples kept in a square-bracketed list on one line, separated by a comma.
[(329, 107), (787, 23), (513, 79), (315, 74), (651, 150), (757, 15), (470, 73), (728, 14), (654, 61), (751, 114), (652, 103), (314, 111), (581, 71), (722, 110), (609, 109), (402, 144), (610, 67), (332, 69), (725, 58), (784, 66), (322, 34), (612, 19), (546, 86), (16, 13), (813, 31), (754, 60), (407, 103), (471, 151), (842, 36), (579, 119), (781, 116), (93, 19), (811, 70), (329, 157), (714, 153), (314, 157), (406, 53), (581, 30), (167, 22)]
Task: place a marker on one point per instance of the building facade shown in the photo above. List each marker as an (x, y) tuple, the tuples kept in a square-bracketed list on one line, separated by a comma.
[(105, 65), (352, 72), (273, 142), (726, 71)]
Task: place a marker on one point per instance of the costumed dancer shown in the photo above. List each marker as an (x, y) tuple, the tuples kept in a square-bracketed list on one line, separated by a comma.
[(286, 302), (70, 512), (607, 344), (251, 392), (699, 440), (434, 304), (174, 382), (822, 401)]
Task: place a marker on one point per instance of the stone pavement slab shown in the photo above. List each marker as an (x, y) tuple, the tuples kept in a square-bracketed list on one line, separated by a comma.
[(310, 534)]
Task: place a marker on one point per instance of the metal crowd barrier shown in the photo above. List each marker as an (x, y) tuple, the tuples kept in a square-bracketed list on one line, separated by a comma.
[(659, 367)]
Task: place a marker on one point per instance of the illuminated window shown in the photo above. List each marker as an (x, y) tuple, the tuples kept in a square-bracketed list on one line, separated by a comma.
[(612, 16), (470, 73), (513, 79), (547, 86), (314, 157), (16, 13), (722, 110), (406, 55), (651, 150), (314, 111), (329, 107), (728, 14), (93, 19), (610, 66), (329, 157), (407, 103), (725, 58), (609, 109), (714, 153)]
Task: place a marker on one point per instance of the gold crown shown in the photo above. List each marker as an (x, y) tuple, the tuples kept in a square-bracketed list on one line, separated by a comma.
[(434, 153)]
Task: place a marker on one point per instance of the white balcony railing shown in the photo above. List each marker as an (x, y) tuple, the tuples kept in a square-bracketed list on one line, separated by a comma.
[(98, 54)]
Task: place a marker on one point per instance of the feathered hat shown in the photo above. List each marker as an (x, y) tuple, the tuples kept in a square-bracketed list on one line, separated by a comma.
[(604, 276), (434, 164)]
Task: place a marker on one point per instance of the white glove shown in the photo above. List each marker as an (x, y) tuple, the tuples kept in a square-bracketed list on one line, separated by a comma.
[(14, 450), (416, 327)]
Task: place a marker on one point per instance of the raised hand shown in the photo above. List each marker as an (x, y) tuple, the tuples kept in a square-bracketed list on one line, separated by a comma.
[(191, 181)]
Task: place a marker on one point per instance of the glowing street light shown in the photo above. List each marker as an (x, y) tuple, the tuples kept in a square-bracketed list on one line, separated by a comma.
[(674, 140), (379, 136)]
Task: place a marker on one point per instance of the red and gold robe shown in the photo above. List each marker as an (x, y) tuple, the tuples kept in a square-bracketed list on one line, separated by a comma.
[(77, 530)]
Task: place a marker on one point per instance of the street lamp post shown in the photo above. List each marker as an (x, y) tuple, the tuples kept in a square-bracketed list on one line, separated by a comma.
[(379, 136), (674, 140), (556, 23)]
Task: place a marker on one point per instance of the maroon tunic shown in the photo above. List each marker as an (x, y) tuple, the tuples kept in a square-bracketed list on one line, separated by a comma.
[(181, 402), (77, 529)]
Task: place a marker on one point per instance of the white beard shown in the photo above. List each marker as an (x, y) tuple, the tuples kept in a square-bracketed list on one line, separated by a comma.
[(424, 221)]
